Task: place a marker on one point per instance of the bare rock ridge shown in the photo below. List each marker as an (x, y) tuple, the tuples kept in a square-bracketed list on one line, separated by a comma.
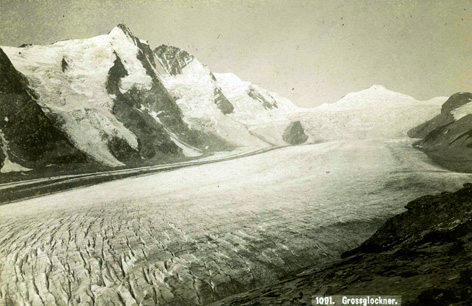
[(407, 256), (29, 138), (447, 137), (294, 134)]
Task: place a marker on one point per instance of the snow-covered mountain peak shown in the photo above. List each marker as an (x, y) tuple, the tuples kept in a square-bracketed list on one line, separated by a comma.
[(118, 33), (123, 28), (72, 78), (372, 97), (377, 93)]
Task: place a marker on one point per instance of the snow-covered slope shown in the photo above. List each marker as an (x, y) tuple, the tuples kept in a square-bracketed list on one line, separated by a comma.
[(28, 138), (222, 104), (194, 88), (70, 78), (375, 96), (463, 110), (372, 113), (253, 105)]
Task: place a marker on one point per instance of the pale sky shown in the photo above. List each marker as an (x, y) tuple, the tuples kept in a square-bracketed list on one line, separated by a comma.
[(309, 51)]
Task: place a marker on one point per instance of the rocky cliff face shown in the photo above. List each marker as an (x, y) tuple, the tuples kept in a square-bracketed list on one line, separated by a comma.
[(423, 254), (447, 137), (28, 138)]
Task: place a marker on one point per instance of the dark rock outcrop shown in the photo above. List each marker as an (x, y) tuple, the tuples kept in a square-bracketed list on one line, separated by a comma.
[(294, 134), (447, 140), (444, 118), (258, 97), (152, 137), (31, 138), (222, 102), (64, 65), (423, 254), (173, 59)]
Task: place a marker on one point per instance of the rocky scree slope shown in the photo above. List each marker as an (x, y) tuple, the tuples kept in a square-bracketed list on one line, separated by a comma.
[(447, 137), (423, 254)]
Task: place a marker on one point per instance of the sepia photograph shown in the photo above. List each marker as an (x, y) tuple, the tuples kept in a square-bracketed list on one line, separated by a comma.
[(235, 152)]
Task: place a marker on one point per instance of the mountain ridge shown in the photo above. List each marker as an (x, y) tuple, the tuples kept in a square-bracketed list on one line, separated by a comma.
[(446, 138), (377, 95), (113, 98)]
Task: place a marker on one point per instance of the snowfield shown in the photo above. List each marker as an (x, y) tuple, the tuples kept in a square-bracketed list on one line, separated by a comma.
[(462, 111), (373, 113), (271, 107), (198, 234)]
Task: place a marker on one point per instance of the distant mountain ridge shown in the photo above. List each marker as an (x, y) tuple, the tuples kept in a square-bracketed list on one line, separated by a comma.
[(376, 112), (375, 96)]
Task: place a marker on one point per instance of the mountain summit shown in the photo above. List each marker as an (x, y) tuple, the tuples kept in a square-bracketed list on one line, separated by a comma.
[(112, 100), (374, 96), (375, 112)]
